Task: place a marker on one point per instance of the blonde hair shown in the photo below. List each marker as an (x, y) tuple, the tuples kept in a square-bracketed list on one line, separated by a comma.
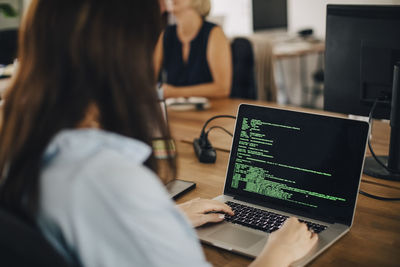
[(202, 7)]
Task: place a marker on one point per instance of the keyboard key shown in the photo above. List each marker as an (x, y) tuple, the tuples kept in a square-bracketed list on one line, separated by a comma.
[(262, 220)]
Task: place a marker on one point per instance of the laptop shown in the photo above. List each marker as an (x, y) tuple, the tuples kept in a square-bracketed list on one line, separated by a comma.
[(287, 163)]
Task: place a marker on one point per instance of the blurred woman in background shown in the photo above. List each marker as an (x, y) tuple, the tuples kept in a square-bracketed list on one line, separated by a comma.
[(193, 57)]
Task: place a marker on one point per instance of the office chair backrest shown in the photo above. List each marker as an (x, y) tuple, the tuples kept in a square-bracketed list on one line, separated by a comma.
[(8, 46), (243, 83), (23, 245)]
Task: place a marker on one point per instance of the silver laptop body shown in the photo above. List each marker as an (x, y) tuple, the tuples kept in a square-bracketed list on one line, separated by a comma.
[(288, 177)]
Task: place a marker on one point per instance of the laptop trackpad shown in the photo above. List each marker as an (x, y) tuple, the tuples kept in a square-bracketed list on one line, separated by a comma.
[(235, 236)]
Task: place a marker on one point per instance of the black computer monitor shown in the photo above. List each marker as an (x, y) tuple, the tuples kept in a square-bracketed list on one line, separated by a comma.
[(269, 14), (362, 48)]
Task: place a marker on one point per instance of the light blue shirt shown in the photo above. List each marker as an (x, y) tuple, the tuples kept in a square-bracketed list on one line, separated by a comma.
[(101, 206)]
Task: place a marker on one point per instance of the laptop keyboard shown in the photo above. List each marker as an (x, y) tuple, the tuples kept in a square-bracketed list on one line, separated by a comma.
[(262, 220)]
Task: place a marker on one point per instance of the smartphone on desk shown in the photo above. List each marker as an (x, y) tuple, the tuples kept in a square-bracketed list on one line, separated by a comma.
[(177, 188)]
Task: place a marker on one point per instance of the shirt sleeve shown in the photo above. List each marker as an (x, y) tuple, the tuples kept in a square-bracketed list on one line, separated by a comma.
[(122, 216)]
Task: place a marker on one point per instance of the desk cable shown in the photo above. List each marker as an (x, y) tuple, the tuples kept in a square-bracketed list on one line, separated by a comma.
[(219, 127), (202, 146), (203, 131), (377, 160), (378, 197)]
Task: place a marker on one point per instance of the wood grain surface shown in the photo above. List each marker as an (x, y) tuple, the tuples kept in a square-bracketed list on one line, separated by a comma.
[(374, 239)]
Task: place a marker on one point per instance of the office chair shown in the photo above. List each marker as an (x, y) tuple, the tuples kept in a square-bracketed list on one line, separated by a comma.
[(8, 46), (243, 83), (22, 245)]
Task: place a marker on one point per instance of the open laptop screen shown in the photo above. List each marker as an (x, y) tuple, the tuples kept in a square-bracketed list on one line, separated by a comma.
[(298, 162)]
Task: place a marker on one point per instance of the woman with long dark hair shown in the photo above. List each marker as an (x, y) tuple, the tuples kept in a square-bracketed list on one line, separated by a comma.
[(78, 123)]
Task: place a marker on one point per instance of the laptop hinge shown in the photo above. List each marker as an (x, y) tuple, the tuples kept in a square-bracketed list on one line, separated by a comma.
[(288, 210)]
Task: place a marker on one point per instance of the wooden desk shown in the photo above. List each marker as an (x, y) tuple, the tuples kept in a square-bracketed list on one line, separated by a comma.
[(299, 49), (187, 125), (374, 239), (287, 45)]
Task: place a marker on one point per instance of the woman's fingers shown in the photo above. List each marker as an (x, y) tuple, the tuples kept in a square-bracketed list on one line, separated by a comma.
[(212, 218), (201, 211), (209, 205)]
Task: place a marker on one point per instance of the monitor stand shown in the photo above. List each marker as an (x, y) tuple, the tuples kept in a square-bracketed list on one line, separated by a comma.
[(374, 169), (371, 166)]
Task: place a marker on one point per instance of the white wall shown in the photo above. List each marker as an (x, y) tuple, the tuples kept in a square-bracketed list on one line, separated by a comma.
[(236, 16), (10, 23), (312, 13), (27, 2)]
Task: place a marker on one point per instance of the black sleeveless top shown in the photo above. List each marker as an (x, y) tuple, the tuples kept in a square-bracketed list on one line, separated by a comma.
[(195, 70)]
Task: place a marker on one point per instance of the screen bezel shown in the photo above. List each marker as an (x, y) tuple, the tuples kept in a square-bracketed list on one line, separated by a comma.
[(364, 126)]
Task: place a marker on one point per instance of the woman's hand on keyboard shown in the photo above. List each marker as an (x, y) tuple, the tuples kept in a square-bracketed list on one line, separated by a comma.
[(287, 244), (201, 211)]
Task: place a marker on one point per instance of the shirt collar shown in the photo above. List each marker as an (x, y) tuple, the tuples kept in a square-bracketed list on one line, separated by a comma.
[(86, 139)]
